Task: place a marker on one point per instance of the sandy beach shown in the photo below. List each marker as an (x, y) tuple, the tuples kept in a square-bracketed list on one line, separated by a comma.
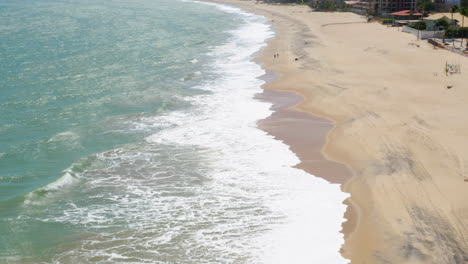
[(394, 123)]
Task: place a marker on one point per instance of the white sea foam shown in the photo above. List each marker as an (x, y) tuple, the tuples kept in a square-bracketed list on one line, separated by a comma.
[(43, 194), (209, 187), (313, 207), (69, 139)]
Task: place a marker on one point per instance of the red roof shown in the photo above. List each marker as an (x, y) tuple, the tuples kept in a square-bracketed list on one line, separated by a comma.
[(405, 13)]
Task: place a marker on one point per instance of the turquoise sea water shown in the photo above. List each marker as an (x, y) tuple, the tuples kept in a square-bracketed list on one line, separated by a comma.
[(127, 134), (74, 71)]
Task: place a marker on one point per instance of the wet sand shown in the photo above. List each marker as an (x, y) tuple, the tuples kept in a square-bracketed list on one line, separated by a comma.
[(304, 133)]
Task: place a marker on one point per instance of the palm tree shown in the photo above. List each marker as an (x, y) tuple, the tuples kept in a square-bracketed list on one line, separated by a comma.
[(464, 13), (455, 9), (425, 6)]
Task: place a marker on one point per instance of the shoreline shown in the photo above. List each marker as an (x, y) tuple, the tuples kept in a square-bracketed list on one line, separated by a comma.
[(286, 112), (294, 123), (396, 117), (290, 124), (291, 127)]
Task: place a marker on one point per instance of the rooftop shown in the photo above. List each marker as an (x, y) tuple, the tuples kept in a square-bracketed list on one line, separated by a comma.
[(405, 13), (437, 16)]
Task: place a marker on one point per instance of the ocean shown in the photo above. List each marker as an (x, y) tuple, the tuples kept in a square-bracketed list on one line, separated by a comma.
[(128, 135)]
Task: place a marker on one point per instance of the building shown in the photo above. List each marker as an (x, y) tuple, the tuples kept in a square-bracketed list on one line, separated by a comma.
[(441, 5), (360, 7), (406, 15), (457, 19), (384, 7), (450, 3)]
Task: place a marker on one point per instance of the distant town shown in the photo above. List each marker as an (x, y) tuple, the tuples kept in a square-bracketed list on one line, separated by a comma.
[(442, 22)]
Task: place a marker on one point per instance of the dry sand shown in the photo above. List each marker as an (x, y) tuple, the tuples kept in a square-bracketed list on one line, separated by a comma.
[(397, 126)]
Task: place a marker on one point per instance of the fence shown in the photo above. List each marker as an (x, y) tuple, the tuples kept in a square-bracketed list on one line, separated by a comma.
[(424, 34)]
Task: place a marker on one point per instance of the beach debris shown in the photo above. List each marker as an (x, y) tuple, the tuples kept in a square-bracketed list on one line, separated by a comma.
[(466, 180), (449, 86), (413, 44), (296, 59), (452, 68)]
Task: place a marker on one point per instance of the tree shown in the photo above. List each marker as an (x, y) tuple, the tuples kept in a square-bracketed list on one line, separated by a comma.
[(420, 25), (454, 9), (442, 23), (464, 13), (426, 6)]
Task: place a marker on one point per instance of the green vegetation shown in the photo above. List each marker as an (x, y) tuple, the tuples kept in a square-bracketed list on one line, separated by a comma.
[(442, 23), (453, 32), (329, 5), (453, 10), (420, 25), (464, 12), (426, 6), (387, 21)]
